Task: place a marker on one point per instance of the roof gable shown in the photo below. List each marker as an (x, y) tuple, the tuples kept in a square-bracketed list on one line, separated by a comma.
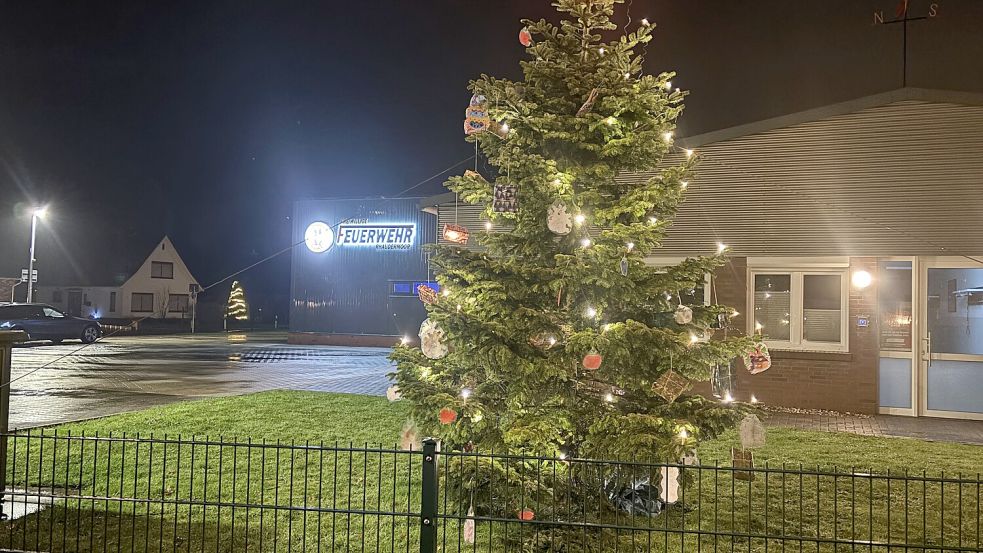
[(164, 251)]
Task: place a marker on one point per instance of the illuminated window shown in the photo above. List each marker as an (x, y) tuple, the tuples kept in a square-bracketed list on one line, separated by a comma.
[(800, 310)]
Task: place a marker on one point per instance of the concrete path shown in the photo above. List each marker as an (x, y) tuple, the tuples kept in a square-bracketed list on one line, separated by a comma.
[(942, 430), (131, 373)]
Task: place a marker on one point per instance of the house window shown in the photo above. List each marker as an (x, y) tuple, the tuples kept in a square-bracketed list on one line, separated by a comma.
[(177, 303), (161, 269), (56, 296), (112, 302), (801, 310), (142, 303)]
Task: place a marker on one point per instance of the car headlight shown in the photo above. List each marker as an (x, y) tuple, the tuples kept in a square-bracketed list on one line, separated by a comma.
[(5, 324)]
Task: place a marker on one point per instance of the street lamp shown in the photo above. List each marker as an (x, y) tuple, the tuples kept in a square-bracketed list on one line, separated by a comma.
[(35, 215)]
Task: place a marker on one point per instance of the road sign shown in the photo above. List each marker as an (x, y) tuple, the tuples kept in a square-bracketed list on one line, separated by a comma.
[(23, 275)]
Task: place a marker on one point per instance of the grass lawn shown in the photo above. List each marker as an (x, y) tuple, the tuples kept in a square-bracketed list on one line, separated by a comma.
[(174, 478)]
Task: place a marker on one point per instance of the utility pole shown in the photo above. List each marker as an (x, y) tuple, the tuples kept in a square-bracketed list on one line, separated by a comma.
[(35, 215)]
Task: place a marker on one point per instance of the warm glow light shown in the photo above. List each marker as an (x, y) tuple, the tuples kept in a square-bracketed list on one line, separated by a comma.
[(693, 338), (721, 247), (627, 76), (753, 399), (505, 127), (585, 242), (562, 456), (689, 153), (645, 22), (653, 220), (600, 51), (758, 326), (728, 398), (591, 312), (683, 433), (552, 341), (458, 307), (488, 225), (405, 340), (668, 85), (579, 218), (667, 136), (609, 397), (446, 292), (631, 246), (861, 279), (684, 184), (611, 120)]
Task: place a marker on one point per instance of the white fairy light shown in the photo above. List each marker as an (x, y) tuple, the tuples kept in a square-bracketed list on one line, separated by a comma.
[(607, 327), (458, 307), (446, 292), (758, 326), (667, 136), (505, 127), (728, 398), (557, 182), (645, 22), (693, 338), (488, 225), (611, 120), (476, 417), (653, 220), (721, 247), (552, 341), (684, 184), (585, 242), (683, 433), (405, 340), (753, 399), (591, 312), (689, 153), (466, 393), (562, 456), (631, 246), (579, 218), (601, 51), (609, 397), (734, 313), (668, 85), (627, 76)]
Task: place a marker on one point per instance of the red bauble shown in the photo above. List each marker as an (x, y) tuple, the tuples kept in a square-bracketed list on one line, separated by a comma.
[(525, 37), (592, 361), (526, 515), (447, 415)]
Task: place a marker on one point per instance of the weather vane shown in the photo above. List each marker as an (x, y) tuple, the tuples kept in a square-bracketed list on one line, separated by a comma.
[(903, 16)]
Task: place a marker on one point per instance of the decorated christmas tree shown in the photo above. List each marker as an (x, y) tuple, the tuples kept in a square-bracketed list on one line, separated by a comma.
[(237, 309), (553, 336)]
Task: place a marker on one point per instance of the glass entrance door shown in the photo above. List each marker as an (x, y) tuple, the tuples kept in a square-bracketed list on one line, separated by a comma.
[(897, 370), (951, 345)]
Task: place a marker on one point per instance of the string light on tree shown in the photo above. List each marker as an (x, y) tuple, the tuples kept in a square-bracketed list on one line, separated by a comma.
[(667, 136), (689, 153), (236, 308), (585, 242)]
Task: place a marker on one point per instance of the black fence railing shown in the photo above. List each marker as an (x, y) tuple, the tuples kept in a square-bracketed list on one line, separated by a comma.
[(169, 494)]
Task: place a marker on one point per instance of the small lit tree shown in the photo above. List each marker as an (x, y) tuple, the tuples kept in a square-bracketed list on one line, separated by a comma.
[(237, 309)]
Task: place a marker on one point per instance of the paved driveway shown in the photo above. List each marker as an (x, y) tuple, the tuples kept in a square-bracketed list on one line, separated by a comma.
[(130, 373)]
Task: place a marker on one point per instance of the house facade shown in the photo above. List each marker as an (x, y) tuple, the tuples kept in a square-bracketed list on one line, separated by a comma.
[(160, 288), (855, 243)]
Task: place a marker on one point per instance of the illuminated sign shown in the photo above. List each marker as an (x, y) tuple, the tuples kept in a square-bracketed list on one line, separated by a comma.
[(381, 236), (319, 237)]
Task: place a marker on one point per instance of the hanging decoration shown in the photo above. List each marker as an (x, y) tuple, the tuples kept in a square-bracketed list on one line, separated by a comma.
[(592, 361), (691, 459), (542, 340), (525, 37), (683, 315), (588, 104), (742, 459), (722, 381), (469, 174), (447, 415), (476, 116), (506, 198), (432, 340), (526, 515), (758, 360), (624, 265), (427, 294), (456, 233), (558, 219), (469, 525), (669, 485), (670, 385), (409, 437), (392, 393), (752, 432)]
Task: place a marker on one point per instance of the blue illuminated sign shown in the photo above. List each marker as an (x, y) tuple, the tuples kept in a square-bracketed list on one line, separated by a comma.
[(381, 236)]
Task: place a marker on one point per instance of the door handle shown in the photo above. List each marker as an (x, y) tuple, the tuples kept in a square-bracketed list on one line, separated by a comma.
[(928, 348)]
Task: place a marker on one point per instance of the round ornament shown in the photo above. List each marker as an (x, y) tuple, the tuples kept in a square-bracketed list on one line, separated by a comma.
[(525, 37), (526, 515), (592, 361), (758, 360), (683, 315), (392, 393), (624, 266), (558, 219), (447, 415), (432, 340), (478, 100)]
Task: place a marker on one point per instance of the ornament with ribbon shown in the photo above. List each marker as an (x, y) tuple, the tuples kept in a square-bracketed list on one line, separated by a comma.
[(758, 360)]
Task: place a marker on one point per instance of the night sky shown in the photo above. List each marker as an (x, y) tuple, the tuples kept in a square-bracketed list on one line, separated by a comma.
[(206, 120)]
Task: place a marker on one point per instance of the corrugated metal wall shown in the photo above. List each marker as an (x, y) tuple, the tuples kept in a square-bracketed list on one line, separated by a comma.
[(346, 290), (904, 178)]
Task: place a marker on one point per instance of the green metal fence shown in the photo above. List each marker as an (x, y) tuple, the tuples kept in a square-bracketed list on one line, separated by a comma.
[(150, 493)]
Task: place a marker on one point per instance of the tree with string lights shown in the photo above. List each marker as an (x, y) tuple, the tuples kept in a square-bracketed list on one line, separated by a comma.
[(237, 309), (555, 336)]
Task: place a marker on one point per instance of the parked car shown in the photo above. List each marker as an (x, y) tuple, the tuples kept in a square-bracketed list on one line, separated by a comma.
[(43, 322)]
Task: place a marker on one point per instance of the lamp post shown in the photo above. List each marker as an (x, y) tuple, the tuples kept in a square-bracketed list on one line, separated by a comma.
[(35, 215)]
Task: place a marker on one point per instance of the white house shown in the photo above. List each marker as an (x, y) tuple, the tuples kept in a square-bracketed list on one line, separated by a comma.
[(160, 288)]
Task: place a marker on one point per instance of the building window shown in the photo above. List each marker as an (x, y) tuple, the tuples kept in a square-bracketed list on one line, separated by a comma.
[(56, 296), (161, 269), (801, 310), (142, 303), (112, 302), (177, 303)]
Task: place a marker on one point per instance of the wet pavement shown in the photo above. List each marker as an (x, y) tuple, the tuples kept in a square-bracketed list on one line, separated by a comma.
[(122, 374)]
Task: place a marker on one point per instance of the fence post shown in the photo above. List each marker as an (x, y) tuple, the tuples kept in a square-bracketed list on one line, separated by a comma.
[(7, 340), (428, 498)]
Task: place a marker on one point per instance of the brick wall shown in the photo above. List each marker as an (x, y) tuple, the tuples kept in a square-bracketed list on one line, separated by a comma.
[(5, 285), (835, 381)]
